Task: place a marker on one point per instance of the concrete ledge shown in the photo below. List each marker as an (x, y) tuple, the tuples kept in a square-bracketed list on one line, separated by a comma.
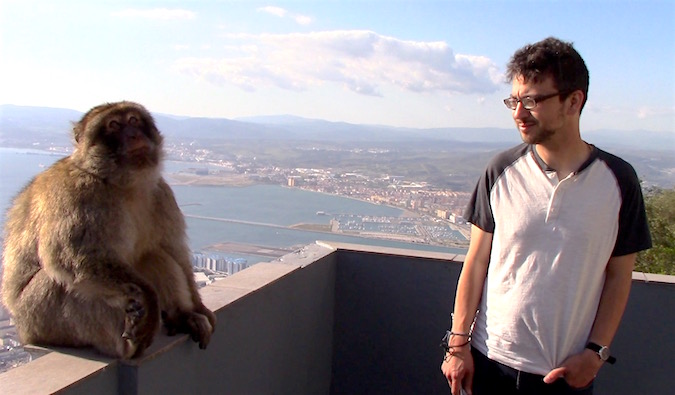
[(390, 251), (653, 278), (54, 372), (65, 370)]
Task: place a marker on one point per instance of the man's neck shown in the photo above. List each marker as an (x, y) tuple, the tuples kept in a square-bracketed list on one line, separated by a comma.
[(565, 157)]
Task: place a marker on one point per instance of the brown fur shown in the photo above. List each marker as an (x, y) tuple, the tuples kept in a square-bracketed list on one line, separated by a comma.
[(95, 247)]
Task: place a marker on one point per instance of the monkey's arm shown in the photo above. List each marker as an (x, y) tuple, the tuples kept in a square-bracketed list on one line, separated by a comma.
[(182, 307)]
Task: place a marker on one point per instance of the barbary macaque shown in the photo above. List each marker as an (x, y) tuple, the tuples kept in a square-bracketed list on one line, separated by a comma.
[(95, 249)]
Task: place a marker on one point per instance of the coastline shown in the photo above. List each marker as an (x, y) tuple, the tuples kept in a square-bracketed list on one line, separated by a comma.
[(234, 180), (239, 180), (405, 213)]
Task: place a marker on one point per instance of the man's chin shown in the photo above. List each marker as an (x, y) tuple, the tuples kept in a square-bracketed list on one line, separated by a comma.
[(535, 138)]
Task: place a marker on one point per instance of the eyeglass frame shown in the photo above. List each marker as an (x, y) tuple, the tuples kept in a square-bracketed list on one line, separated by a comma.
[(535, 99)]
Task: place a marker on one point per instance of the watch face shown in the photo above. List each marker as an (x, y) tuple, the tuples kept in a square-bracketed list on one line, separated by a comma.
[(604, 353)]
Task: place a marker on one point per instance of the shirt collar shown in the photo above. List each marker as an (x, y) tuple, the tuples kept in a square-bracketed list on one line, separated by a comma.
[(546, 168)]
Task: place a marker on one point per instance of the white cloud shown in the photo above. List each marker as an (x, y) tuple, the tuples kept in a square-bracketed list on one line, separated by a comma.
[(648, 112), (282, 13), (156, 13), (303, 19), (361, 61), (277, 11)]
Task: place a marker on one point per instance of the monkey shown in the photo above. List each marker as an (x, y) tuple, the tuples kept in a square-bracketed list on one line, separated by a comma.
[(95, 250)]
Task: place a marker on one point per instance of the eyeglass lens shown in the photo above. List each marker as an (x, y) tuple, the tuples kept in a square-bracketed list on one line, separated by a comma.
[(527, 102)]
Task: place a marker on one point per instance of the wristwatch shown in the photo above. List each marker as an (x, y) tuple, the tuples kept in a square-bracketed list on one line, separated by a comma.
[(603, 352)]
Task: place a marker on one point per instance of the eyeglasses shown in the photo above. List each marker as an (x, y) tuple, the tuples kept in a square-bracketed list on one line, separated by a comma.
[(529, 102)]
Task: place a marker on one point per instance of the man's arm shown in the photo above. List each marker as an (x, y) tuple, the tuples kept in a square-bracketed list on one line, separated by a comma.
[(458, 367), (614, 297), (471, 280), (581, 368)]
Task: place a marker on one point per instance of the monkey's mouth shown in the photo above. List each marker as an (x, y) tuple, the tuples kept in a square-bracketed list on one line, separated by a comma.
[(142, 150), (138, 146), (140, 156)]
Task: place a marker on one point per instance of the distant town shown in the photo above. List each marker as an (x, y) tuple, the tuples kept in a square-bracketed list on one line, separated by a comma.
[(429, 210), (432, 215)]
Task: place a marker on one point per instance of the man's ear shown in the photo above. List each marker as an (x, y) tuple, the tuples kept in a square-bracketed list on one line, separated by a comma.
[(576, 99)]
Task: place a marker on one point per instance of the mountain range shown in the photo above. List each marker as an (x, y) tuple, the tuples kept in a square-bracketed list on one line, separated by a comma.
[(444, 157), (38, 123)]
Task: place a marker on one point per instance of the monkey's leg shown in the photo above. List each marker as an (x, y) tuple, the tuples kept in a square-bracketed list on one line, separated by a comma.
[(181, 306), (49, 314)]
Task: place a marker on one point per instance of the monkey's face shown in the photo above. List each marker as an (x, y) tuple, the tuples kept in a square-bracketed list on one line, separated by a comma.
[(118, 136), (129, 138)]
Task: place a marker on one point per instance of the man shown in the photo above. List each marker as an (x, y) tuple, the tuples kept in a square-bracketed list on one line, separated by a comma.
[(556, 225)]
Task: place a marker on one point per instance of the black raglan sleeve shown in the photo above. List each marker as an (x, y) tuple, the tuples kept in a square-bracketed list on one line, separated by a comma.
[(479, 210), (633, 235)]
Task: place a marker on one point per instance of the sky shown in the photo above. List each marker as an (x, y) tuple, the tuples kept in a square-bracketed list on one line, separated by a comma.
[(415, 63)]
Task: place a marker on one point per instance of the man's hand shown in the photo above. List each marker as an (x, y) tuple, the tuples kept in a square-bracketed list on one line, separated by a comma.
[(458, 370), (578, 370)]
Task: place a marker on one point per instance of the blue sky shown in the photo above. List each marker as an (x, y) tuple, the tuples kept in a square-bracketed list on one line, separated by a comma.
[(409, 63)]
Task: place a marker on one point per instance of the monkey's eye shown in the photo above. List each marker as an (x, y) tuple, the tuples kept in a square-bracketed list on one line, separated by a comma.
[(132, 120), (113, 125)]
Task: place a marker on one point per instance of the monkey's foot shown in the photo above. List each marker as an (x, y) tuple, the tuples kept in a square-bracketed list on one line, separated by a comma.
[(196, 324), (200, 329), (134, 313)]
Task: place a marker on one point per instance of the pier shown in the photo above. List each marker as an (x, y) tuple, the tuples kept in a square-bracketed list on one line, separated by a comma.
[(249, 249), (237, 221)]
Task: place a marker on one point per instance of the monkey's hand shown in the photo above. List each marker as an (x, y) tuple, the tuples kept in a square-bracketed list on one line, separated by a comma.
[(199, 324), (141, 320)]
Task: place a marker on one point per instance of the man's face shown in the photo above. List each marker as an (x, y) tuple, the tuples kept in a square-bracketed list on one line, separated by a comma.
[(539, 124)]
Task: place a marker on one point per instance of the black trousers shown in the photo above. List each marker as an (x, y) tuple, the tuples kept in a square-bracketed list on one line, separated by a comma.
[(492, 378)]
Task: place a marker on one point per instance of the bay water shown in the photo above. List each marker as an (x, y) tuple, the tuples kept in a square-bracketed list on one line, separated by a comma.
[(260, 204)]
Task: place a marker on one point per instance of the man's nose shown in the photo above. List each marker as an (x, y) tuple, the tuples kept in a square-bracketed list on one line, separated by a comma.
[(520, 112)]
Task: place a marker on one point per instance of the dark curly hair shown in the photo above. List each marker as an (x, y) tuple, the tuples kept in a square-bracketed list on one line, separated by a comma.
[(554, 58)]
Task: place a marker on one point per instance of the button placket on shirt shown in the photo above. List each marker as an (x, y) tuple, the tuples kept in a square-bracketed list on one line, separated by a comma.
[(556, 197)]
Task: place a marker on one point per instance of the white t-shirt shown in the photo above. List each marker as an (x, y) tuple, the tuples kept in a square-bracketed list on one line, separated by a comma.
[(552, 240)]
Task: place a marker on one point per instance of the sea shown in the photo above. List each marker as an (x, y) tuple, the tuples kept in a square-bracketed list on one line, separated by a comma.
[(256, 207)]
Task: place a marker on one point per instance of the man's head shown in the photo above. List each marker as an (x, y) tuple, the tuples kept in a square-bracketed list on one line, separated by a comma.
[(551, 58)]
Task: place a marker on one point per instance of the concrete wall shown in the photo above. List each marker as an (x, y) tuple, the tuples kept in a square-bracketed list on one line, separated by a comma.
[(644, 344), (391, 312), (275, 340), (390, 315), (339, 319)]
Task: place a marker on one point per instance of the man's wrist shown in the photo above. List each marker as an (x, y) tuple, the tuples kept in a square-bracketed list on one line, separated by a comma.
[(601, 352), (459, 340), (454, 341), (454, 348)]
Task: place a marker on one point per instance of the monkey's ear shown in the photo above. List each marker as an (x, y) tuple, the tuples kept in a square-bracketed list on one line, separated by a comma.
[(78, 130)]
